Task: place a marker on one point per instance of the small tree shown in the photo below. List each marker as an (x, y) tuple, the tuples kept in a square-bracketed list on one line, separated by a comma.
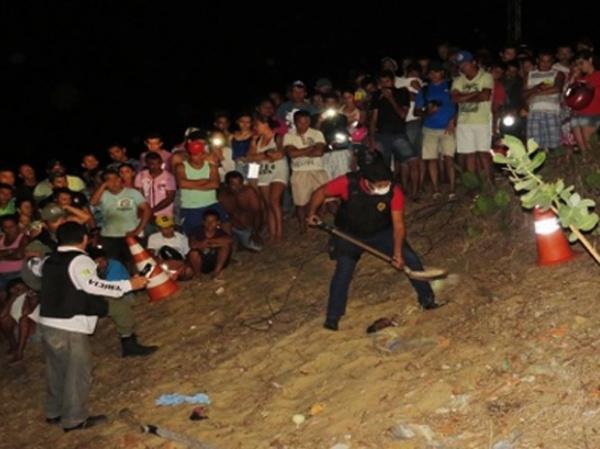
[(573, 211)]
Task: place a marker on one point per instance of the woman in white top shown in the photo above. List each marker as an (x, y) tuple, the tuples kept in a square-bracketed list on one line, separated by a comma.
[(350, 109), (273, 175)]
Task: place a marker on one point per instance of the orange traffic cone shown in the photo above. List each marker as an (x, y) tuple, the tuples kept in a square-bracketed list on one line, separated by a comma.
[(160, 285), (552, 245)]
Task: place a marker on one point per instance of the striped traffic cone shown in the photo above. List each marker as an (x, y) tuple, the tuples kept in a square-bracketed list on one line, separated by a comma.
[(160, 285), (552, 245)]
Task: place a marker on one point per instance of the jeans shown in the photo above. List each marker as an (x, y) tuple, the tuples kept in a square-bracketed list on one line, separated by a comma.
[(68, 375), (397, 145), (348, 254), (191, 219), (244, 238)]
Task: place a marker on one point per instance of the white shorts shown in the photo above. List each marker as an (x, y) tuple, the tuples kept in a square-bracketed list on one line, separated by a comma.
[(16, 309), (270, 172), (304, 183), (473, 138)]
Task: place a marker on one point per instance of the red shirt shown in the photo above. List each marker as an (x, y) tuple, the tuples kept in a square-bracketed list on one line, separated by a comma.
[(499, 96), (593, 108), (339, 187)]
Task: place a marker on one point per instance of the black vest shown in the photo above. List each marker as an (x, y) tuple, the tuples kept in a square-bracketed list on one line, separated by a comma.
[(364, 215), (59, 298)]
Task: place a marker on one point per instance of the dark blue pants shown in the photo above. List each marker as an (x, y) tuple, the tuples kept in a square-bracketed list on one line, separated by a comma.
[(348, 254)]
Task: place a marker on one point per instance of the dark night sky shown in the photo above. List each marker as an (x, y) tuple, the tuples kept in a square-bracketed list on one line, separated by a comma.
[(78, 74)]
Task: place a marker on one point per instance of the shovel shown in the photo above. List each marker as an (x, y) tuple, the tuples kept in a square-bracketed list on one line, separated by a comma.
[(425, 275)]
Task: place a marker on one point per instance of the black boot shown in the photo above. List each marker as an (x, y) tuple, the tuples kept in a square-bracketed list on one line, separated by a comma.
[(331, 324), (132, 348)]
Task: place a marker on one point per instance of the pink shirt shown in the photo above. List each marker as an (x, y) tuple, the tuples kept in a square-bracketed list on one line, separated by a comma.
[(10, 266), (155, 189)]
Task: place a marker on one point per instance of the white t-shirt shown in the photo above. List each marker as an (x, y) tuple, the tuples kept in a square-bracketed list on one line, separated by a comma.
[(178, 242), (227, 164), (310, 137), (401, 82), (545, 103)]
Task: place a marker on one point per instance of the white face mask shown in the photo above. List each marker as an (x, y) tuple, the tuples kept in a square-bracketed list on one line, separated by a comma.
[(380, 190)]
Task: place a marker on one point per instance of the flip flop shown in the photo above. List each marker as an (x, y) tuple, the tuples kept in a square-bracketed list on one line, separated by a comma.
[(379, 324)]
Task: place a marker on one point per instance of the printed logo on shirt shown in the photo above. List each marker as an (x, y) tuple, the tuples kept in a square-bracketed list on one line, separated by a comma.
[(125, 204), (381, 207), (86, 273), (467, 108)]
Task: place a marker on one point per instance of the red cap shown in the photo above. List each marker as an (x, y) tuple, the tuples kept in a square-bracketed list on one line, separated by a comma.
[(196, 147)]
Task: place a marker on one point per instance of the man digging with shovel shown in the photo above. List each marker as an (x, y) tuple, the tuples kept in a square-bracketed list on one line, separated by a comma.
[(372, 211)]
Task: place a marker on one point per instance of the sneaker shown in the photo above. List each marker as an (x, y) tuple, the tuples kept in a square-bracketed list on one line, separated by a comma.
[(437, 196), (452, 197), (91, 421)]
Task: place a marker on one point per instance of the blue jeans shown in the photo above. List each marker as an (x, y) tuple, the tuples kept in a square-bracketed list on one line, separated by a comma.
[(244, 238), (348, 254), (191, 219), (397, 145)]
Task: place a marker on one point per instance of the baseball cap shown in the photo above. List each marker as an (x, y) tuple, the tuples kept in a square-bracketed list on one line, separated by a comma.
[(164, 221), (391, 61), (189, 131), (374, 168), (298, 83), (52, 212), (196, 147), (464, 56), (323, 82)]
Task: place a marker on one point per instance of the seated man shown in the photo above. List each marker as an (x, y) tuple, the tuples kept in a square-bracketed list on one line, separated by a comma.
[(243, 205), (210, 247), (171, 248), (19, 312)]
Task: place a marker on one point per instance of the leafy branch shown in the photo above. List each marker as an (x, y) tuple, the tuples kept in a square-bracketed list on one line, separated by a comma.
[(573, 211)]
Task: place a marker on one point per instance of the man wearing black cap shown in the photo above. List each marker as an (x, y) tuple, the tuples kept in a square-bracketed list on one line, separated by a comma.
[(372, 210)]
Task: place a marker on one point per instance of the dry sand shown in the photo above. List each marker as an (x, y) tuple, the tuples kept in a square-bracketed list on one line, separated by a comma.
[(512, 356)]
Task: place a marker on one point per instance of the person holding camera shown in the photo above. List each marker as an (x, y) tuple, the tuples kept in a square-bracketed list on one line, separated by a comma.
[(434, 103)]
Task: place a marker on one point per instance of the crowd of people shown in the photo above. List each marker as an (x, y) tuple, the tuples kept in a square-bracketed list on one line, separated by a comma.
[(230, 185)]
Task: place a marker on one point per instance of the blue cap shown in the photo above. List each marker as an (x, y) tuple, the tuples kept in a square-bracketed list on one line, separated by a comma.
[(464, 56)]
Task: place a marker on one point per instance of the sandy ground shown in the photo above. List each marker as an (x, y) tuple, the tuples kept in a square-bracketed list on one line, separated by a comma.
[(512, 356)]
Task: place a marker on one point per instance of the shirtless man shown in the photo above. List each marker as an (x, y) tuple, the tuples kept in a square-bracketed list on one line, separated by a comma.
[(244, 207)]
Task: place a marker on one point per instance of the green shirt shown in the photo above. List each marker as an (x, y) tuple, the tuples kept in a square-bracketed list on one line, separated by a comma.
[(192, 198), (475, 113), (120, 212), (10, 209), (44, 189)]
